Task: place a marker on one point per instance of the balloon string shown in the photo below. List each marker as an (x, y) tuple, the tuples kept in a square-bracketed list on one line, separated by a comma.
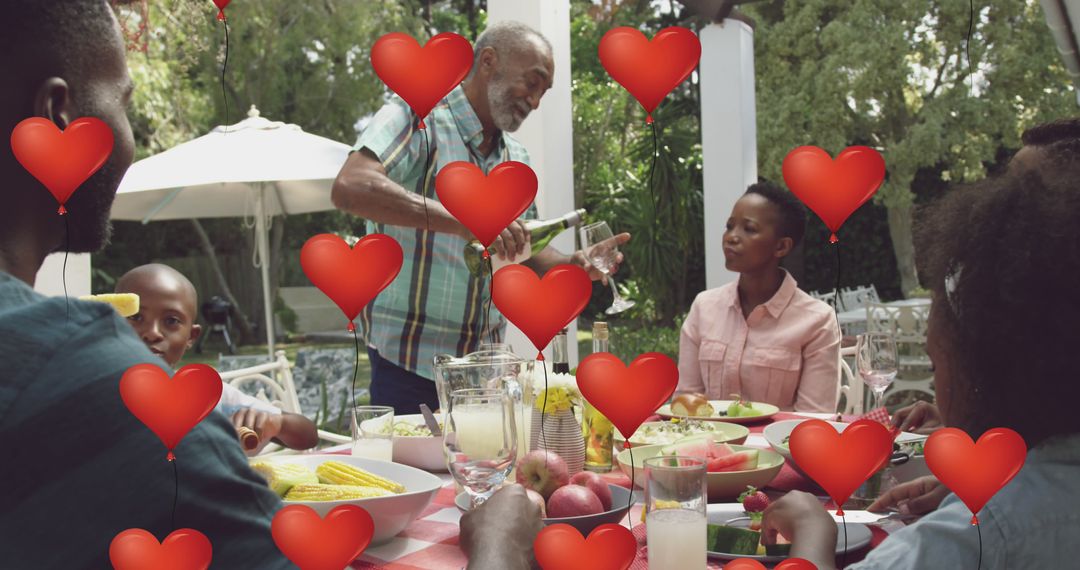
[(491, 295), (176, 493), (543, 408), (979, 530), (356, 365), (837, 299), (652, 170), (843, 556), (224, 65), (63, 272), (427, 167), (630, 501), (967, 47)]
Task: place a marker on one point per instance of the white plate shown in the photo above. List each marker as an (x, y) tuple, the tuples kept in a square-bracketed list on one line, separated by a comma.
[(722, 406), (776, 432), (858, 535)]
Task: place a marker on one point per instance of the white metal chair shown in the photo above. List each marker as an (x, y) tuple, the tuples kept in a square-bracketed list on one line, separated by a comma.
[(858, 297), (851, 386), (282, 393), (828, 298), (908, 326)]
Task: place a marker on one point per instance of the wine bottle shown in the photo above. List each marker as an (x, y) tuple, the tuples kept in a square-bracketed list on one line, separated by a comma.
[(560, 362), (541, 232), (596, 429)]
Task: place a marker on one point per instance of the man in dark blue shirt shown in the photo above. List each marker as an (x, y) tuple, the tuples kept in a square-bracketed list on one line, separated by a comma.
[(76, 466)]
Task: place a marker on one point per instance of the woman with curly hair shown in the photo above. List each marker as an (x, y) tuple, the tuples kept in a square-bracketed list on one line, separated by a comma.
[(1002, 258)]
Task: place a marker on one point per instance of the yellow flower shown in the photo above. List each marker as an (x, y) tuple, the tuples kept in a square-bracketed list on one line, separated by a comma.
[(557, 400)]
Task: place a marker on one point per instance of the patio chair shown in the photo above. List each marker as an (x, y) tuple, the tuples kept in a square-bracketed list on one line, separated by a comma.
[(282, 393), (851, 386), (858, 297), (829, 298)]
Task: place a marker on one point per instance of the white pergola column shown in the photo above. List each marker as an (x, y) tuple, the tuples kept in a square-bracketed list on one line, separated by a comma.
[(548, 134), (50, 277), (728, 132)]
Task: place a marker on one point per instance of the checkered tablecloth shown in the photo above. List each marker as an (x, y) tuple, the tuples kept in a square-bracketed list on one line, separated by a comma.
[(431, 542)]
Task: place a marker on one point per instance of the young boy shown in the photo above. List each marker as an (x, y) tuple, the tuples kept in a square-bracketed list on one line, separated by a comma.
[(166, 323)]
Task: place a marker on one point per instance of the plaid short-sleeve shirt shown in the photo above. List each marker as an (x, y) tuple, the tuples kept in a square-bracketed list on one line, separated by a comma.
[(435, 306)]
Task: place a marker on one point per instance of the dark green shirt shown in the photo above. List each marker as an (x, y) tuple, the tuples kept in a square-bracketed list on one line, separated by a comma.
[(77, 468)]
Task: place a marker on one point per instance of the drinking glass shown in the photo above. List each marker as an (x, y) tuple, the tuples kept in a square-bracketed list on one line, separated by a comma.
[(480, 440), (373, 432), (601, 250), (675, 500), (876, 360)]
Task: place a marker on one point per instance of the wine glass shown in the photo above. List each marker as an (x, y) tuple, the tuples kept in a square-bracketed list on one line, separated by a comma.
[(480, 440), (876, 360), (601, 250)]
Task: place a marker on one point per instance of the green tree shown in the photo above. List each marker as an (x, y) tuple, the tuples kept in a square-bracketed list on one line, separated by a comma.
[(893, 74)]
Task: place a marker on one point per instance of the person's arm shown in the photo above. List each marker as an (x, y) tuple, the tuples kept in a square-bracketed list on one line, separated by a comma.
[(390, 149), (297, 432), (689, 343), (550, 257), (916, 497), (801, 518), (364, 189), (819, 382), (499, 534)]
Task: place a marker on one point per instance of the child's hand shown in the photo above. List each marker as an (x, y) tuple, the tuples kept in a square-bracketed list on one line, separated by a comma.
[(266, 426)]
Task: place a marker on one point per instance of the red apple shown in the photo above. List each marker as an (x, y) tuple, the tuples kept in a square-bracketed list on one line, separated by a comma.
[(542, 471), (539, 500), (596, 484), (573, 501)]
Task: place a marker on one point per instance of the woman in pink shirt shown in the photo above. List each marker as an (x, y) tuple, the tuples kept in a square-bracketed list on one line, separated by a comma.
[(762, 337)]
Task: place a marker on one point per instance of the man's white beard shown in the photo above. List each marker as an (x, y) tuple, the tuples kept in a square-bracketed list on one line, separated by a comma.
[(502, 111)]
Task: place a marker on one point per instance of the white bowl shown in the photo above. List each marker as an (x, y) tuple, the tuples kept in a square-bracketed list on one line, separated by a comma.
[(391, 513), (422, 452), (776, 432)]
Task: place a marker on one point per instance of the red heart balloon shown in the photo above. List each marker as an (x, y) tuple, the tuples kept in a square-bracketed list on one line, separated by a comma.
[(561, 547), (744, 564), (840, 462), (313, 543), (627, 395), (751, 564), (975, 471), (170, 407), (486, 204), (62, 161), (649, 70), (421, 76), (796, 564), (351, 277), (183, 549), (541, 307), (834, 189)]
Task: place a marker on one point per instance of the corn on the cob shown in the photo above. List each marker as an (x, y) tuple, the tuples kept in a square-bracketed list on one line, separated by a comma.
[(283, 476), (127, 304), (338, 473), (333, 492)]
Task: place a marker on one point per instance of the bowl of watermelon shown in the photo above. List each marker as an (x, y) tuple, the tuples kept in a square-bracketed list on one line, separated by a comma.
[(731, 468)]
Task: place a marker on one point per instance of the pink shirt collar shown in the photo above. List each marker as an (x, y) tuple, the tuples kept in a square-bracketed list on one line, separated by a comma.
[(776, 305)]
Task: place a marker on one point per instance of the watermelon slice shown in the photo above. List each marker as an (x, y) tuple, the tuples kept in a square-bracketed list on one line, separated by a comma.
[(697, 446), (781, 548), (732, 540), (738, 461)]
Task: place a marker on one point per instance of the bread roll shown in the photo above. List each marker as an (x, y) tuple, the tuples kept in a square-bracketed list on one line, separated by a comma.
[(693, 404)]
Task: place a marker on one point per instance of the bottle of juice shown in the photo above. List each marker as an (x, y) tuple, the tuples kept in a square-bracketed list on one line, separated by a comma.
[(595, 428)]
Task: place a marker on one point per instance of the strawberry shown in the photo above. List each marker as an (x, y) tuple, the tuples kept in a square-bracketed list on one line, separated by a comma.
[(754, 501)]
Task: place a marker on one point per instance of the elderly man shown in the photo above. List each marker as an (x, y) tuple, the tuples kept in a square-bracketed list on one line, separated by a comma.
[(436, 306)]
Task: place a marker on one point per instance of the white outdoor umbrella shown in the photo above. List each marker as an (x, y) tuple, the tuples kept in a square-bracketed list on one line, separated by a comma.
[(254, 168)]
